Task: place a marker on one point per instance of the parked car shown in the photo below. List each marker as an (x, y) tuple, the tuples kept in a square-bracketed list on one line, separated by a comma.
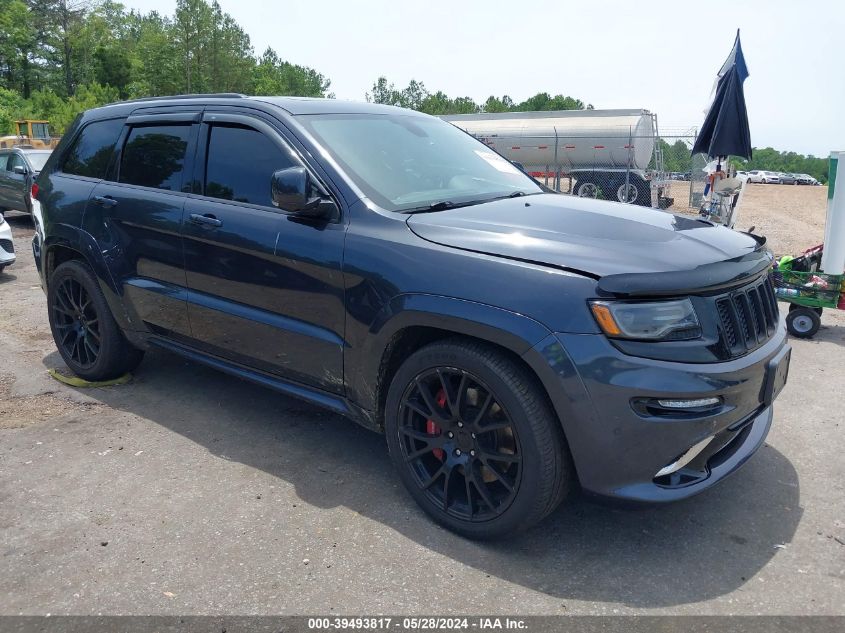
[(511, 343), (788, 179), (7, 247), (806, 179), (18, 169), (766, 177)]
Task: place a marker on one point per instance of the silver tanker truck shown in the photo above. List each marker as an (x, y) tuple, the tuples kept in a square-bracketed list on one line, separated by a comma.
[(604, 153)]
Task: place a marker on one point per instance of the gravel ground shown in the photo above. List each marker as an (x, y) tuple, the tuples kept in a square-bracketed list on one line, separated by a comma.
[(790, 216), (189, 492)]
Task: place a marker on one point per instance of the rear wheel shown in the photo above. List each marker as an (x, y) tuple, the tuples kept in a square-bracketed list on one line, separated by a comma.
[(86, 335), (803, 322), (587, 189), (475, 440), (627, 193)]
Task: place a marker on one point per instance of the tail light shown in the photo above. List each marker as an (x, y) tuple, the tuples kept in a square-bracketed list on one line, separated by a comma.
[(34, 191)]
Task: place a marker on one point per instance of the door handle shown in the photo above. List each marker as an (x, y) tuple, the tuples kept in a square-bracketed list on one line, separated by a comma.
[(106, 201), (207, 220)]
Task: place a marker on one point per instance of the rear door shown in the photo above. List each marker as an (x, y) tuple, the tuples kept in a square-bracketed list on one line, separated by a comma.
[(4, 159), (15, 184), (265, 287), (136, 215)]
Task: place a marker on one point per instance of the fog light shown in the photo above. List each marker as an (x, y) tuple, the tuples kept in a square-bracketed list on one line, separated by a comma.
[(689, 404)]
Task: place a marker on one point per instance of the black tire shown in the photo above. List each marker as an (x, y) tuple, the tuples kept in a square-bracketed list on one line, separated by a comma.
[(803, 322), (86, 334), (2, 268), (587, 189), (540, 480)]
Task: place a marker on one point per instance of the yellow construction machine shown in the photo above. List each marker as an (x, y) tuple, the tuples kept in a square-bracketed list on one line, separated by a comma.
[(31, 133)]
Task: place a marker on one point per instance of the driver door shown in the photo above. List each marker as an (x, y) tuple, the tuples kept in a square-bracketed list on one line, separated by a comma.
[(265, 287)]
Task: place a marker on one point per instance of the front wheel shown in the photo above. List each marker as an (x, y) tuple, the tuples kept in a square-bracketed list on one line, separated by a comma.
[(803, 322), (475, 440)]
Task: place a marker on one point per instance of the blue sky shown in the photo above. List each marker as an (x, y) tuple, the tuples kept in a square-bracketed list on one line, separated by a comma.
[(658, 55)]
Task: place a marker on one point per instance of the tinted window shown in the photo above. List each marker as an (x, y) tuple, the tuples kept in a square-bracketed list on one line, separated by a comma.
[(14, 161), (93, 148), (240, 163), (154, 156), (3, 159)]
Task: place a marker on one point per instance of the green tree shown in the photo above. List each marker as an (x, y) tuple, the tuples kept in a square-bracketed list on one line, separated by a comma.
[(273, 76), (18, 45)]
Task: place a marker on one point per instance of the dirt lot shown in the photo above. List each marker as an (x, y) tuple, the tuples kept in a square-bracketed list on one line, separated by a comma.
[(791, 217), (187, 491)]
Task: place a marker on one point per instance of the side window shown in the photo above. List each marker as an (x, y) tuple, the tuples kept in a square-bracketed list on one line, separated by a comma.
[(93, 149), (240, 163), (40, 130), (14, 161), (154, 156), (4, 157)]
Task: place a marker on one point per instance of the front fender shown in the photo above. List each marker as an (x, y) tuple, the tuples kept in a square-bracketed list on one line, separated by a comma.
[(512, 331)]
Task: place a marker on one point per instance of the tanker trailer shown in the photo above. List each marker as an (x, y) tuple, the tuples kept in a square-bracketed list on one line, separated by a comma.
[(605, 153)]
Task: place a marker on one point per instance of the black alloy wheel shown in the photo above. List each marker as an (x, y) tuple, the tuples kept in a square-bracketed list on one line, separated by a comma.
[(76, 323), (475, 439), (86, 334), (460, 444)]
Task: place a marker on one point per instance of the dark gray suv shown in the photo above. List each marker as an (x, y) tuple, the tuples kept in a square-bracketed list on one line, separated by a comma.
[(511, 343), (19, 167)]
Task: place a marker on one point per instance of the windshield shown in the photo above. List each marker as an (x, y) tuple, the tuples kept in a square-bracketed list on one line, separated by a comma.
[(37, 159), (404, 162)]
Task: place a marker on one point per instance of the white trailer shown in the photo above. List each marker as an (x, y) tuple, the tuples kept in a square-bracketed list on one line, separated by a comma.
[(606, 153)]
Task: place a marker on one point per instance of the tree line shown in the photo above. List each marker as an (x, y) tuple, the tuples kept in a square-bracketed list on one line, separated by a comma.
[(677, 158), (417, 97), (61, 57)]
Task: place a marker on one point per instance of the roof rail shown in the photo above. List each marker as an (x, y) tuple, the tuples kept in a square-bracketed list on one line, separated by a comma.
[(207, 95)]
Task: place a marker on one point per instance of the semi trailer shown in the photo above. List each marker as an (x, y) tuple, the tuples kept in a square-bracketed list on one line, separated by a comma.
[(609, 154)]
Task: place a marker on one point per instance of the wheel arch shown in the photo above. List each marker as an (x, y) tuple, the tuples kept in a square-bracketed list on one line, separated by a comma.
[(71, 243), (411, 321)]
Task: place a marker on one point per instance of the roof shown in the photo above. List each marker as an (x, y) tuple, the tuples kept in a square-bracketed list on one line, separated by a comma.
[(292, 105), (311, 105)]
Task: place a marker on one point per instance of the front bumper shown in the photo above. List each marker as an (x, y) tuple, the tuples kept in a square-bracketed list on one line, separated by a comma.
[(7, 248), (619, 449)]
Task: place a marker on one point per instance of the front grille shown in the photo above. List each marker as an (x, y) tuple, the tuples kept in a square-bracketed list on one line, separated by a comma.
[(747, 317)]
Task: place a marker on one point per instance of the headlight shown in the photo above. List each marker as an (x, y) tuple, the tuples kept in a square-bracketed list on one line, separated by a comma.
[(657, 320), (2, 219)]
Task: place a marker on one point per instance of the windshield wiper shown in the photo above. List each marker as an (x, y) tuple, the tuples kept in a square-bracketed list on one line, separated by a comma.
[(448, 204), (441, 205)]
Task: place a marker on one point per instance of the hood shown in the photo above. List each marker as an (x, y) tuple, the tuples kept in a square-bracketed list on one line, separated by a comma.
[(588, 236)]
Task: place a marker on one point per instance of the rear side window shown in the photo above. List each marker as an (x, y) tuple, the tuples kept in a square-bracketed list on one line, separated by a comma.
[(240, 163), (155, 156), (14, 161), (93, 149), (4, 158)]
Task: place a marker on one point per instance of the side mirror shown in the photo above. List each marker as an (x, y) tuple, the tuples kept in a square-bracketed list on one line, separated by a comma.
[(19, 169), (293, 190)]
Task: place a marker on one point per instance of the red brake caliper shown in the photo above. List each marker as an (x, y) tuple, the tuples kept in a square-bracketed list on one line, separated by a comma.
[(432, 429)]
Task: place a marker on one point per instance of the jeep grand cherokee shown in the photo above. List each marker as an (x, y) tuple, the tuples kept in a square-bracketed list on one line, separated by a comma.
[(511, 343)]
